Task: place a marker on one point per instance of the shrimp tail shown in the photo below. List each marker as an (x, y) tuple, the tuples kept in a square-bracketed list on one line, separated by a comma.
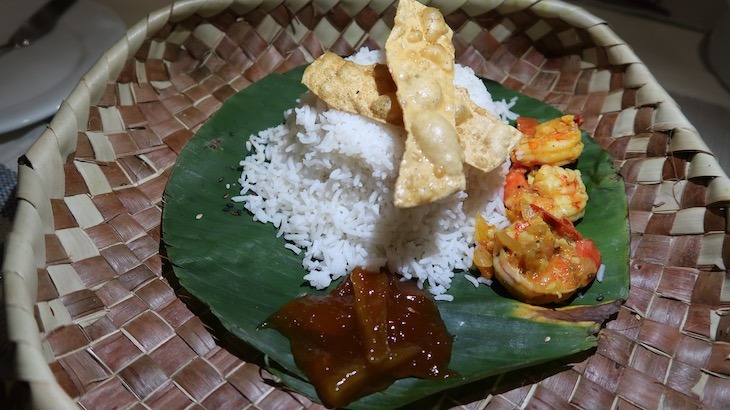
[(562, 226), (588, 249), (515, 182), (527, 125)]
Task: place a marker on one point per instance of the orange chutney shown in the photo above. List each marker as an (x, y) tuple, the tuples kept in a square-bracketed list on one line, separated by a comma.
[(369, 331)]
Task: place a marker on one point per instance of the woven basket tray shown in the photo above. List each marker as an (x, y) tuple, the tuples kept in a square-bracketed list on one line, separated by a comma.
[(94, 321)]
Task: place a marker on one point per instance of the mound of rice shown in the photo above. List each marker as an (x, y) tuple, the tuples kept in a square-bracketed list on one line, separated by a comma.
[(325, 179)]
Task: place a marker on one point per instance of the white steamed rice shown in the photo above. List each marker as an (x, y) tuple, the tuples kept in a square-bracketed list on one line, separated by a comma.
[(325, 179)]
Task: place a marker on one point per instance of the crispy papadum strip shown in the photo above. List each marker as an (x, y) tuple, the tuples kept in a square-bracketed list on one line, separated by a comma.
[(420, 57), (485, 140), (347, 86)]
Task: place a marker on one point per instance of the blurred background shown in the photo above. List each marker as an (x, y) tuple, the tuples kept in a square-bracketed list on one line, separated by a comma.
[(685, 44)]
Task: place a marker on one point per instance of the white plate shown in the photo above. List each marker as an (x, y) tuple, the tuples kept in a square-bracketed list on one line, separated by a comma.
[(34, 80)]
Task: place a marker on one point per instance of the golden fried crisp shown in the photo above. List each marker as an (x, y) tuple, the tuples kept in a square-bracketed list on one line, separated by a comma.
[(344, 85), (370, 91), (485, 140), (420, 57)]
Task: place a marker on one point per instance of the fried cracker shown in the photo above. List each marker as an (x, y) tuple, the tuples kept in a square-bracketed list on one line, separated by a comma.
[(485, 140), (420, 57), (370, 91), (347, 86)]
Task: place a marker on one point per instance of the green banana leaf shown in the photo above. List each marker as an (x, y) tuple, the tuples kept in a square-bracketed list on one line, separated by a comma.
[(242, 271)]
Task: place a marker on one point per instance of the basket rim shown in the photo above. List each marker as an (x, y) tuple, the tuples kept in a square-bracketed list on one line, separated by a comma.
[(25, 249)]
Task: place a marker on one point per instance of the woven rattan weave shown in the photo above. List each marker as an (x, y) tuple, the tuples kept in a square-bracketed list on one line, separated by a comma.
[(95, 320)]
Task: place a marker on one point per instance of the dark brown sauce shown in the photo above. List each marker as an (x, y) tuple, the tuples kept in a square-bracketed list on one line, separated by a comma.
[(369, 331)]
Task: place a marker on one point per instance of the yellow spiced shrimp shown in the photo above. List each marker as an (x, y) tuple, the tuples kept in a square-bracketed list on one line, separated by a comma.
[(540, 259), (553, 142), (558, 190)]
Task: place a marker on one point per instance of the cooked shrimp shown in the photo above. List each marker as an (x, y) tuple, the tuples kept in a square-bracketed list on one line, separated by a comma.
[(558, 190), (554, 142), (518, 191), (542, 259)]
